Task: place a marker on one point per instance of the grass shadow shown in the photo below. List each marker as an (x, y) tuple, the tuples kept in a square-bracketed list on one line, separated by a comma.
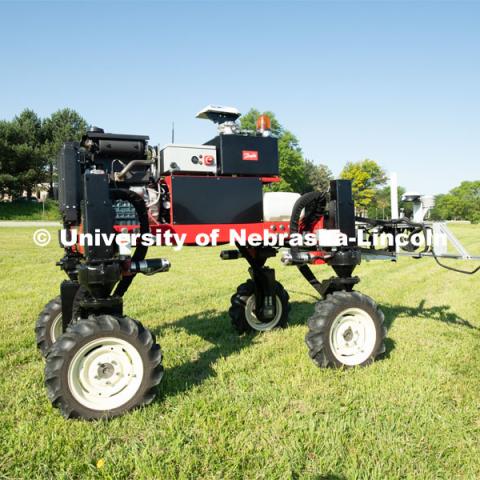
[(215, 328), (442, 313)]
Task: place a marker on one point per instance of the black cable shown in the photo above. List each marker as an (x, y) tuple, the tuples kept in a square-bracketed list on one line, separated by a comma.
[(424, 228), (453, 269)]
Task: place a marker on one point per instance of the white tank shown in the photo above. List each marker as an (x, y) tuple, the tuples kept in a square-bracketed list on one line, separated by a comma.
[(277, 206)]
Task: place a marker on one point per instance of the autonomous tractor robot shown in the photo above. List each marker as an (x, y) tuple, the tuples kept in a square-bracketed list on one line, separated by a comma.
[(100, 362)]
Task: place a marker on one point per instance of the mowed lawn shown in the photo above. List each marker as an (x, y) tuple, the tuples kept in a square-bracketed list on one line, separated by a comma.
[(255, 406)]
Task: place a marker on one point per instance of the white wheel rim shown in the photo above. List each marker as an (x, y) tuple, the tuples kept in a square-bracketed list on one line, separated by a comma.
[(56, 328), (252, 319), (105, 373), (353, 336)]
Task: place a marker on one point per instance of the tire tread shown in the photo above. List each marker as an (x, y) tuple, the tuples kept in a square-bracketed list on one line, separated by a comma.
[(43, 325), (323, 316), (83, 329)]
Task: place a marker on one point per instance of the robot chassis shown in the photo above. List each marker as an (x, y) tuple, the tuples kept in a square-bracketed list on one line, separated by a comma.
[(101, 363)]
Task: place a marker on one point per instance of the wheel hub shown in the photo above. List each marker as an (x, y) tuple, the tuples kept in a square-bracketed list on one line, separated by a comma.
[(253, 320), (348, 335), (105, 370), (106, 373), (352, 336)]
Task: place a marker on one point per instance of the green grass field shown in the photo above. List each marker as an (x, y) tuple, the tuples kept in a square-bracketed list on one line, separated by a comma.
[(29, 211), (254, 407)]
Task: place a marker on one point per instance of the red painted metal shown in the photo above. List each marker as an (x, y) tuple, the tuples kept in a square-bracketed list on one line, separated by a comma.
[(270, 179)]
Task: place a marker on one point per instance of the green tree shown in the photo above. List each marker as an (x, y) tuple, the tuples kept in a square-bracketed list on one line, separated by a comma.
[(381, 204), (29, 146), (318, 176), (367, 177), (64, 125), (461, 203), (22, 160), (292, 164)]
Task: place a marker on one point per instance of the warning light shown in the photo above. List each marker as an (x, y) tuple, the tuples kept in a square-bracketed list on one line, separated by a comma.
[(263, 123)]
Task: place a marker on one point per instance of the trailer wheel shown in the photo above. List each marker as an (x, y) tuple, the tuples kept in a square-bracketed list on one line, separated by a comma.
[(102, 367), (242, 311), (345, 330), (49, 325)]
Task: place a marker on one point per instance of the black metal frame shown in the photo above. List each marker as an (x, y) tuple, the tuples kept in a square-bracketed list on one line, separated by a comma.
[(87, 190)]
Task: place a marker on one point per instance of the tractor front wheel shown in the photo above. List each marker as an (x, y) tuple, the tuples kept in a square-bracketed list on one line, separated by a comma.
[(242, 311), (49, 325), (346, 330), (103, 366)]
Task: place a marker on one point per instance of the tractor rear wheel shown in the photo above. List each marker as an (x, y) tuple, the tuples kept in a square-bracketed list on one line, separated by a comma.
[(103, 366), (49, 325), (242, 311), (346, 330)]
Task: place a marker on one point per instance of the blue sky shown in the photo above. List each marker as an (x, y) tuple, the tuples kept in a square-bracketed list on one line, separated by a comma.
[(398, 82)]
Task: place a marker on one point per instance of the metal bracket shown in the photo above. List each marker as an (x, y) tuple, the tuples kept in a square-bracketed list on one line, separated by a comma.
[(440, 232)]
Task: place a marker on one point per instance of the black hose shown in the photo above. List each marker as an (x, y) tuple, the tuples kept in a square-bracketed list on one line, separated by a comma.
[(303, 202), (306, 201), (141, 250)]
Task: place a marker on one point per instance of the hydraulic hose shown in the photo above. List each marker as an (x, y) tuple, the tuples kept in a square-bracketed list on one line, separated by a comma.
[(303, 202), (141, 250)]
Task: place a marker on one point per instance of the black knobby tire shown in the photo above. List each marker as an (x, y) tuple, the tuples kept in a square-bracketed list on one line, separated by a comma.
[(328, 347), (48, 324), (241, 309), (68, 391)]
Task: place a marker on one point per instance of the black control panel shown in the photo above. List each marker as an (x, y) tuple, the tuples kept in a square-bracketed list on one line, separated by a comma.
[(216, 200)]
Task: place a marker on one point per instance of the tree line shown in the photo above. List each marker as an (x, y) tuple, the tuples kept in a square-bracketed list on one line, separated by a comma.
[(29, 146), (461, 203)]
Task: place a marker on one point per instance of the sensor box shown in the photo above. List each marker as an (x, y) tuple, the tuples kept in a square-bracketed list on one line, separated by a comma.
[(188, 158)]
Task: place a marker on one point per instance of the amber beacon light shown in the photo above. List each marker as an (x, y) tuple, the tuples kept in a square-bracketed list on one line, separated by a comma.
[(263, 123)]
